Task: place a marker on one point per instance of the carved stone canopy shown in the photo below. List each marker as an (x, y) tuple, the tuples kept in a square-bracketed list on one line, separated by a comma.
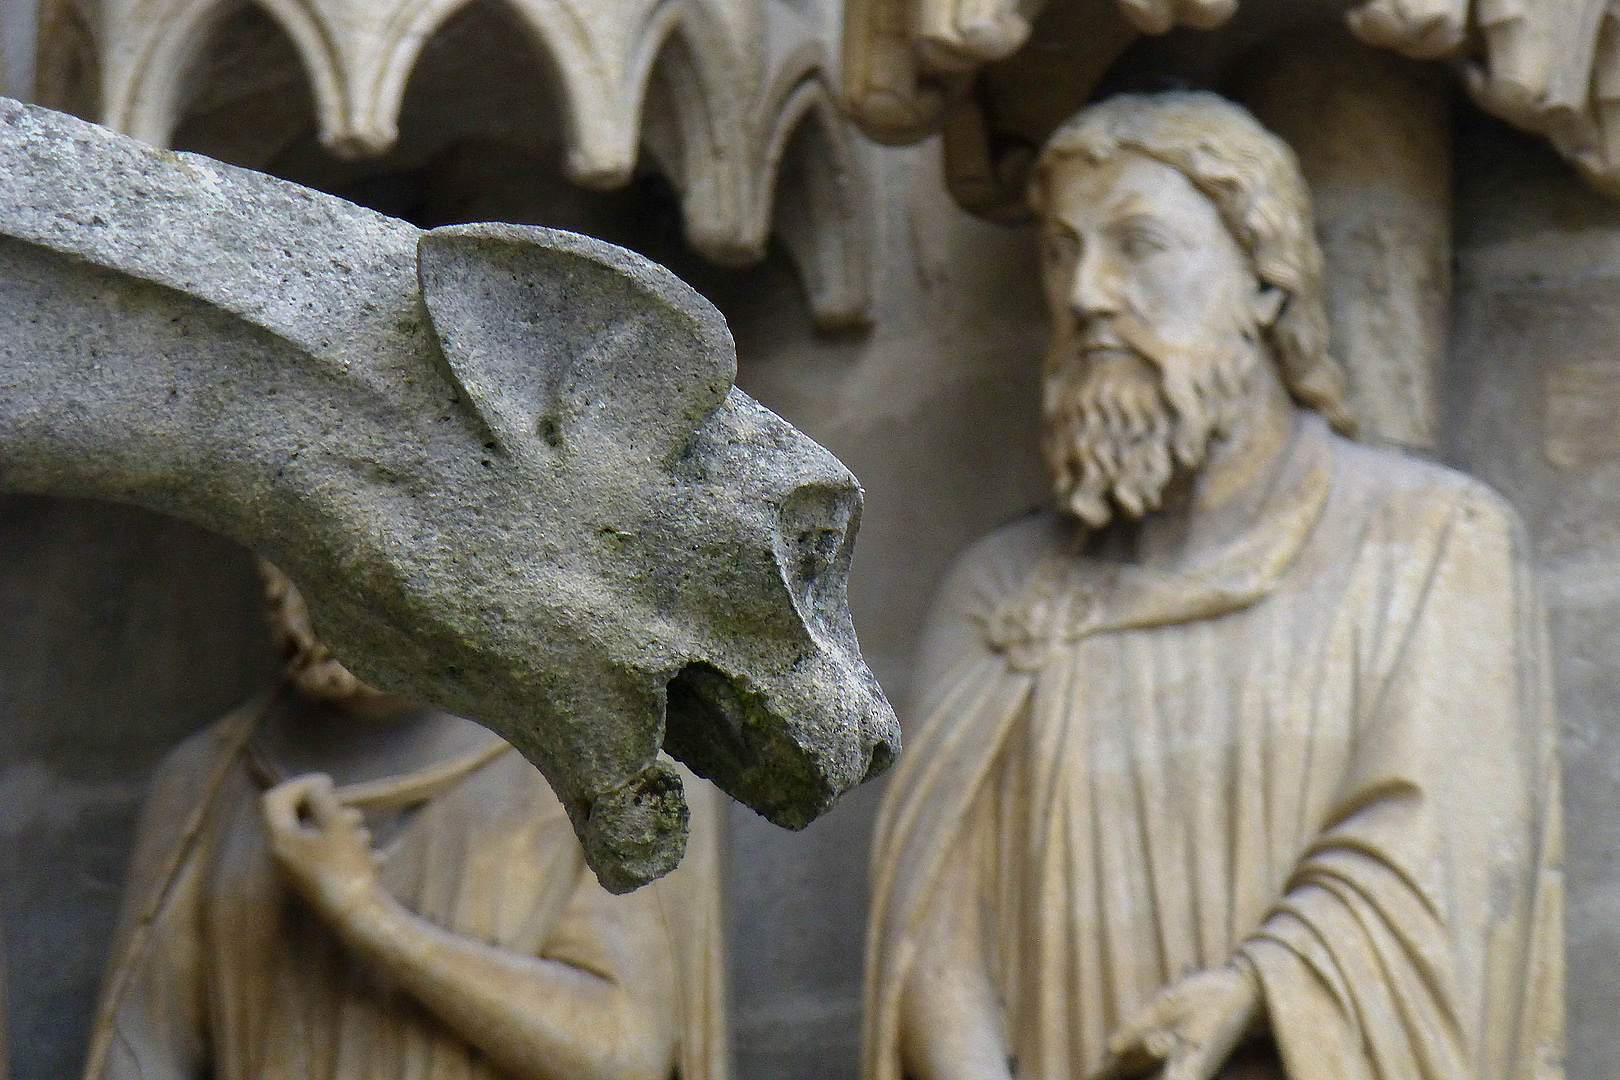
[(731, 99), (998, 75)]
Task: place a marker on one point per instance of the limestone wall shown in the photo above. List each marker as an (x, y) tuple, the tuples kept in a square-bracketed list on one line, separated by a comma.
[(1533, 406), (124, 632)]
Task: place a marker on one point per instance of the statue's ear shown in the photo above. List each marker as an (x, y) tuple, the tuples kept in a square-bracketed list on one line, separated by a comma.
[(556, 337)]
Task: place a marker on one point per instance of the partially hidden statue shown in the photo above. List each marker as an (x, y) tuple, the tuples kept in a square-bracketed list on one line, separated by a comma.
[(332, 883), (1240, 763), (507, 467)]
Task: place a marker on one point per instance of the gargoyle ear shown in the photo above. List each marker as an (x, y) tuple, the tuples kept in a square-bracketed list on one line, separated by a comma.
[(556, 337)]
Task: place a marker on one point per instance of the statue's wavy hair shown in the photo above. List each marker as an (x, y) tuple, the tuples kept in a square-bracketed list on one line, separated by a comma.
[(1254, 181)]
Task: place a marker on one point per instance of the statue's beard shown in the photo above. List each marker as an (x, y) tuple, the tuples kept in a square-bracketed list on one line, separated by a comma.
[(1120, 427)]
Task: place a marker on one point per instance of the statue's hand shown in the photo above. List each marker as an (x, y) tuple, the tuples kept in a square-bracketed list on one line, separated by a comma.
[(320, 844), (1189, 1030)]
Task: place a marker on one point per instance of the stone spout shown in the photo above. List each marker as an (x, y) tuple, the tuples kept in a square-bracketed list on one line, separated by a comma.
[(506, 465)]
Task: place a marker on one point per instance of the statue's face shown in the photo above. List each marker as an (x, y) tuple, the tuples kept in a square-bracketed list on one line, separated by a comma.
[(1156, 317), (1135, 256)]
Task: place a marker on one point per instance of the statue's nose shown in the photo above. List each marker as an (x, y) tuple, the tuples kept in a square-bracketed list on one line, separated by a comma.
[(1094, 289)]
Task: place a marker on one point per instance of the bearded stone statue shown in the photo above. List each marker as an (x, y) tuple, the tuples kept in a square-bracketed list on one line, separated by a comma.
[(1239, 762), (333, 883)]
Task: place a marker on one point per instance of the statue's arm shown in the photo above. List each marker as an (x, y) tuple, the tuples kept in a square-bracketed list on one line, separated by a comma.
[(602, 1010), (950, 1012), (1446, 814), (599, 1004)]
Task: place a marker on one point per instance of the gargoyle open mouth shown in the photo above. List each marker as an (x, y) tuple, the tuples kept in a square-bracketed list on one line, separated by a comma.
[(727, 731)]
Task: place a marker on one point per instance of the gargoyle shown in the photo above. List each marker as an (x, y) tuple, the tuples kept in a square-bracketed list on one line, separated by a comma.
[(507, 466)]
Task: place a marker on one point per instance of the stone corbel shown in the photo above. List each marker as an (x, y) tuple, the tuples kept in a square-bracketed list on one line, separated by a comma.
[(724, 93)]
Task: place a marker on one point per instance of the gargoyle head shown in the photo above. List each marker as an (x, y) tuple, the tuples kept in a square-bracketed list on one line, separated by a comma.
[(505, 465), (661, 560)]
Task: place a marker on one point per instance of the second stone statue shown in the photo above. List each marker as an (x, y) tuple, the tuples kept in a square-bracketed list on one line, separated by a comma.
[(1240, 762), (332, 883)]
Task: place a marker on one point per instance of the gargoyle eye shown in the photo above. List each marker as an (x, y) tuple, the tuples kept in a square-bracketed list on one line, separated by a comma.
[(818, 548), (813, 547)]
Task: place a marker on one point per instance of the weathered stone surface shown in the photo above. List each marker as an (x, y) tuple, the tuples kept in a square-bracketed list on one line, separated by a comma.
[(506, 465)]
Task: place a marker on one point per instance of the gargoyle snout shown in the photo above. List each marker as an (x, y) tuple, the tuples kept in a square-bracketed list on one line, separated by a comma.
[(884, 749)]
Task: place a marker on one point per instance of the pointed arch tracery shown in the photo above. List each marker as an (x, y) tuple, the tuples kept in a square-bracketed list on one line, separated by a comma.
[(718, 93), (813, 194), (692, 142), (246, 94), (144, 94), (68, 77)]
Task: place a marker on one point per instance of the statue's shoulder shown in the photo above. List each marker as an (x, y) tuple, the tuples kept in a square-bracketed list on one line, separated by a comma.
[(177, 801), (992, 568), (200, 750), (1412, 489), (191, 768), (1009, 552)]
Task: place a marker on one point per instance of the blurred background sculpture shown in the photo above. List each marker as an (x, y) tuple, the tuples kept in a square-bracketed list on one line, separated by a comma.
[(731, 99), (332, 883), (1240, 763), (1547, 66)]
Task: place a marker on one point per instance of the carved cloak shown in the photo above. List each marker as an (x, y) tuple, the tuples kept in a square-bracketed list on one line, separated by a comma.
[(489, 854), (1325, 745)]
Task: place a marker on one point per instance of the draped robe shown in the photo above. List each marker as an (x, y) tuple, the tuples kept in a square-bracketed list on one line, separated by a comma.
[(1324, 745), (218, 961)]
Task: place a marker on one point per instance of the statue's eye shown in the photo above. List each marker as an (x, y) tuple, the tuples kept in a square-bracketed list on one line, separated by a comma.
[(1140, 240), (1060, 248)]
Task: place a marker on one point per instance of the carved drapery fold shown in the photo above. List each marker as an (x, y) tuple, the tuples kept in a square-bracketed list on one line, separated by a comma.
[(718, 91)]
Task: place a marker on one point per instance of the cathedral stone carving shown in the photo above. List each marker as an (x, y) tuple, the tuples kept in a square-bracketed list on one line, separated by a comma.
[(338, 884), (1549, 67), (732, 98), (1470, 286), (1241, 762), (1365, 100)]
